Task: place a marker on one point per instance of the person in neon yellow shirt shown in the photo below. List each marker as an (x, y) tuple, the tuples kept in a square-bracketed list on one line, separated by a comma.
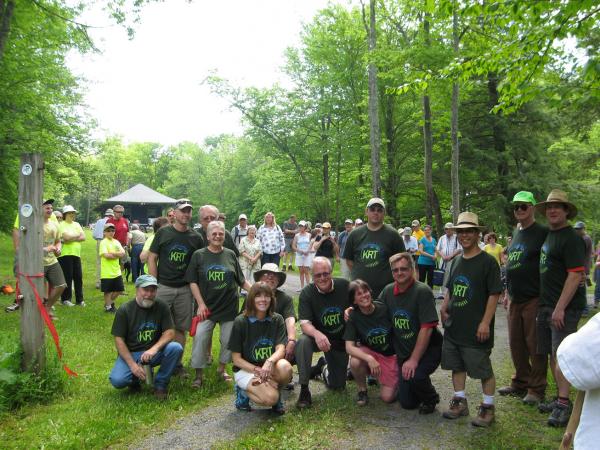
[(111, 281), (70, 258)]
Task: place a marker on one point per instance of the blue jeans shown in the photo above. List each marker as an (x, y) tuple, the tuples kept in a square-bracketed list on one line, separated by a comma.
[(167, 358), (137, 268), (597, 288)]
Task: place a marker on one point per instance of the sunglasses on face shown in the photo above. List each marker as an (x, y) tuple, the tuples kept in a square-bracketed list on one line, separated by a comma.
[(376, 209), (522, 207), (318, 276)]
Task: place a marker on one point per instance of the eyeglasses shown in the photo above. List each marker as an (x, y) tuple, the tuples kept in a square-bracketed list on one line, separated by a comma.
[(400, 269), (521, 206), (318, 276)]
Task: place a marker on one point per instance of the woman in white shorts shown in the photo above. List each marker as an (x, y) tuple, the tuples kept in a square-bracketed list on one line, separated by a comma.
[(257, 343), (304, 254)]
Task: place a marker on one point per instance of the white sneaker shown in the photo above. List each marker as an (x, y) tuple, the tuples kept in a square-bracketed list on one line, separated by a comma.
[(67, 303), (82, 304)]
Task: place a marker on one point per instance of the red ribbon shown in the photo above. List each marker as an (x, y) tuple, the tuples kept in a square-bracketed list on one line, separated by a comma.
[(47, 319)]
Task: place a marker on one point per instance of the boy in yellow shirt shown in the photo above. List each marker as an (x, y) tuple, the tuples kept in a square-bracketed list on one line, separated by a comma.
[(111, 281)]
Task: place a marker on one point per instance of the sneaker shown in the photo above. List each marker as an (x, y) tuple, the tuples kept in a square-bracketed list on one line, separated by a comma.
[(325, 375), (242, 401), (514, 392), (316, 371), (160, 394), (283, 268), (362, 398), (428, 407), (67, 303), (532, 399), (559, 417), (458, 408), (304, 399), (81, 303), (12, 308), (278, 407), (485, 416), (547, 407), (110, 309)]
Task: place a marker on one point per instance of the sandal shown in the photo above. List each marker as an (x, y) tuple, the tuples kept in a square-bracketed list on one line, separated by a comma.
[(197, 383), (224, 376)]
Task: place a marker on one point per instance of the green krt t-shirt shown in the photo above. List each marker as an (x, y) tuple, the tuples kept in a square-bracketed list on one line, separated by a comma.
[(407, 312), (523, 265), (139, 327), (218, 275), (326, 311), (373, 330), (370, 251), (562, 252), (470, 284), (174, 249), (256, 339)]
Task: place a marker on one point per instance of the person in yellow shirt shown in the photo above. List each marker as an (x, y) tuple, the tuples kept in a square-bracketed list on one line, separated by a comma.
[(111, 281), (70, 258), (493, 248)]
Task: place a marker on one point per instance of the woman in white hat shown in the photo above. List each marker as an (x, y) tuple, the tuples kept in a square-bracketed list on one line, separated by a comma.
[(70, 258)]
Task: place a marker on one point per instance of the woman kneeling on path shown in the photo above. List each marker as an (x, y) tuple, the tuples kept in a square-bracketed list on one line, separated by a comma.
[(257, 343), (370, 325)]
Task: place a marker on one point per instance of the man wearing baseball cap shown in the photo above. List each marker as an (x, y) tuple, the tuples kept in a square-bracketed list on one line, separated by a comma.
[(369, 248), (523, 282), (562, 293), (144, 332), (240, 230)]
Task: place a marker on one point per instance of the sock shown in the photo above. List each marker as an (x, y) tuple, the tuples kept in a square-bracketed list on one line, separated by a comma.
[(488, 399), (563, 400), (460, 394)]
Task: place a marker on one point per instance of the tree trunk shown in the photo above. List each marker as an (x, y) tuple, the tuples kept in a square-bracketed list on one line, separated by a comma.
[(6, 13), (428, 139), (454, 176), (374, 133), (325, 125), (393, 174)]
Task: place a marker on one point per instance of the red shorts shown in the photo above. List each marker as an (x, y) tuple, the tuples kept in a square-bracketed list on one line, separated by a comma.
[(389, 367)]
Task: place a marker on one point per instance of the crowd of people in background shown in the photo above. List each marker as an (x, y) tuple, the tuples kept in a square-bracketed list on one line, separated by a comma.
[(377, 319)]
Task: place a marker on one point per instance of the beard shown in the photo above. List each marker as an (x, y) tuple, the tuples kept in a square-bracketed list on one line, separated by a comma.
[(146, 304)]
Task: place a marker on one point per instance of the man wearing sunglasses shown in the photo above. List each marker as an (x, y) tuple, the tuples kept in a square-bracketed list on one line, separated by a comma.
[(369, 248), (523, 281)]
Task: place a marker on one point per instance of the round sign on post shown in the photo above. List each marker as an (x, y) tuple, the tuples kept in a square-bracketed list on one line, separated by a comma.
[(26, 169), (26, 210)]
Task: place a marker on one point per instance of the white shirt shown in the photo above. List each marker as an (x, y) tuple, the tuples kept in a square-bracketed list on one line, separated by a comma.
[(411, 245)]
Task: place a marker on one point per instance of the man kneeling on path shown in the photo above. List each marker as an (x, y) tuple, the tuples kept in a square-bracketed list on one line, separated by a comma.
[(321, 313), (144, 331)]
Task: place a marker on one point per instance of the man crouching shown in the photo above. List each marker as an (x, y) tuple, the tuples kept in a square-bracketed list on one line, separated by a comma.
[(143, 331)]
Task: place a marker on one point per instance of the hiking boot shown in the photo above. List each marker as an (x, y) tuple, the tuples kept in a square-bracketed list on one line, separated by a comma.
[(547, 407), (560, 415), (242, 401), (12, 308), (532, 399), (181, 372), (428, 407), (304, 399), (362, 398), (315, 371), (514, 392), (458, 408), (68, 303), (485, 416), (160, 394)]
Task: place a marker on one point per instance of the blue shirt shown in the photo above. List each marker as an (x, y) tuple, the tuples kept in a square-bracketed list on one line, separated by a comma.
[(428, 247)]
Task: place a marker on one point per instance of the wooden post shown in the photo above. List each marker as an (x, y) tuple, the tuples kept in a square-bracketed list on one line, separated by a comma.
[(31, 232)]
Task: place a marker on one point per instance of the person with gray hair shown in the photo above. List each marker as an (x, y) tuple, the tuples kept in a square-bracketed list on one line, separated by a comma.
[(214, 274)]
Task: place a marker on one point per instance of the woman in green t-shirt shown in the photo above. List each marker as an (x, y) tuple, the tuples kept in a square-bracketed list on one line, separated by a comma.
[(70, 258), (257, 343)]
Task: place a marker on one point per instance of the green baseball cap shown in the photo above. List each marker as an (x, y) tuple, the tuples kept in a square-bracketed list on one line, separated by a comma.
[(524, 197)]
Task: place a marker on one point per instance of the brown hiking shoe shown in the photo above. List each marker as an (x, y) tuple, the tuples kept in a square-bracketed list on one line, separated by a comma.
[(160, 394), (485, 416), (458, 408), (512, 391)]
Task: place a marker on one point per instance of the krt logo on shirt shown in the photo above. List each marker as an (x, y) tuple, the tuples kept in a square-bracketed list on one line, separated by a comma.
[(371, 254), (544, 259), (461, 291), (378, 338), (402, 324), (146, 332), (332, 320), (177, 255), (218, 276), (515, 256), (262, 349)]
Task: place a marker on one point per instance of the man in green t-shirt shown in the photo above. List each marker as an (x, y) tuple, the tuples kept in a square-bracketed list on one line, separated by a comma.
[(468, 316), (418, 343), (144, 332), (321, 314), (523, 282), (562, 293), (368, 248)]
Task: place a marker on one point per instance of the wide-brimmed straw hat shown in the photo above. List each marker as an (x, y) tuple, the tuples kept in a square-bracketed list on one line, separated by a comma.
[(558, 196), (272, 268), (467, 220)]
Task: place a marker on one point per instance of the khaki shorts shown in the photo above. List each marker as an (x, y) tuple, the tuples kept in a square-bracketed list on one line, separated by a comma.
[(54, 275), (475, 361), (181, 304)]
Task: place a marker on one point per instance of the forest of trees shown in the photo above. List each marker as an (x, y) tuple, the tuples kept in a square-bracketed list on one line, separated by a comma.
[(438, 106)]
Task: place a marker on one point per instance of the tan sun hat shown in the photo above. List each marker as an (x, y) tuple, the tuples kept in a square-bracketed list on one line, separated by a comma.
[(558, 196), (272, 268), (467, 220)]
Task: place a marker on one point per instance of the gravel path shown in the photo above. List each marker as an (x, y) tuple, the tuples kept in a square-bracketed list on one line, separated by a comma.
[(387, 426)]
